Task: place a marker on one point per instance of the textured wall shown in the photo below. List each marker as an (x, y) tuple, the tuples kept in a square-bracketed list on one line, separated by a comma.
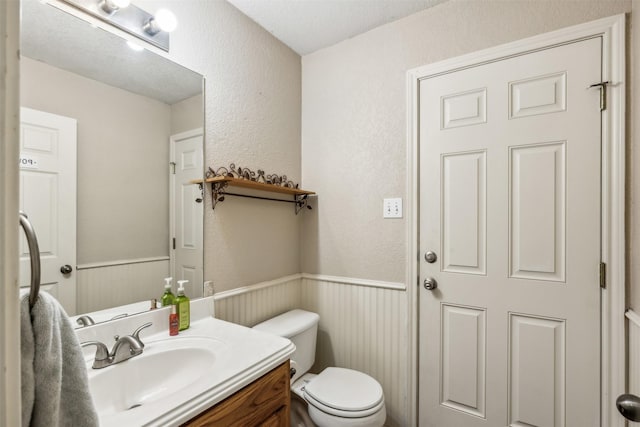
[(118, 216), (354, 121), (252, 98)]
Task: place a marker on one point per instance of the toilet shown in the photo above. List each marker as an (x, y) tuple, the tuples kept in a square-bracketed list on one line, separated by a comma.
[(336, 397)]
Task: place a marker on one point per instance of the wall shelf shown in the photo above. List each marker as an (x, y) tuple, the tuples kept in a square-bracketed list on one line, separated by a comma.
[(219, 185)]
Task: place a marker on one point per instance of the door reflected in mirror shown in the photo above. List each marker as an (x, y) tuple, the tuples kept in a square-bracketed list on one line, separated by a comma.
[(110, 140)]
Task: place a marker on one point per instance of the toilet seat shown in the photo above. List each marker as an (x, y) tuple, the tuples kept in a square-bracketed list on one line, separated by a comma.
[(345, 393)]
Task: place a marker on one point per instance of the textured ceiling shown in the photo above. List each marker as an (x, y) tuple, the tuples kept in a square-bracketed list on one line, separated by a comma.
[(52, 36), (308, 25)]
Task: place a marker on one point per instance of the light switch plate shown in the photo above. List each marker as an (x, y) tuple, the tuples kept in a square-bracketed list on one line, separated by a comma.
[(392, 208)]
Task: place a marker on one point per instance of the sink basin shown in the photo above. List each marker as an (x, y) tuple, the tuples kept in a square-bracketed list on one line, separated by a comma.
[(177, 378), (164, 369)]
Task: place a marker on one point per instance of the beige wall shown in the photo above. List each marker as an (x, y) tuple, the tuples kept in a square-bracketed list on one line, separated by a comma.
[(354, 121), (123, 152), (187, 114), (252, 93)]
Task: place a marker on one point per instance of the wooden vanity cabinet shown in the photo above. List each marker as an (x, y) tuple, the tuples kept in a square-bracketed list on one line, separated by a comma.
[(265, 402)]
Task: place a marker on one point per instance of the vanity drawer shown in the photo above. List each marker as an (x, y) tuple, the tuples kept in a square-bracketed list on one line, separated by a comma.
[(265, 402)]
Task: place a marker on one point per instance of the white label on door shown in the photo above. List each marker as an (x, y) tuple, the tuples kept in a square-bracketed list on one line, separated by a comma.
[(28, 162)]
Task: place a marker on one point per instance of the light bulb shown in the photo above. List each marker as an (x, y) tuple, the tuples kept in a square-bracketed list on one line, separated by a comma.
[(166, 20), (121, 3), (112, 6)]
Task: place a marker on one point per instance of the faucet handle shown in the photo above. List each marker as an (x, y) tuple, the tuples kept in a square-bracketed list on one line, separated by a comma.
[(136, 333), (101, 359)]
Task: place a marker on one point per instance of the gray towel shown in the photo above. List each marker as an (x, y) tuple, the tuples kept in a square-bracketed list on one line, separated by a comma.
[(55, 387)]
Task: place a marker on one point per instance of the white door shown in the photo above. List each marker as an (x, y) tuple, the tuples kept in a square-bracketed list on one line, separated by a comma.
[(187, 210), (48, 197), (510, 205)]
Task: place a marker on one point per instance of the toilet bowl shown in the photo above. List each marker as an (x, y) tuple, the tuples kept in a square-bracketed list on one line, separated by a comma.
[(336, 397)]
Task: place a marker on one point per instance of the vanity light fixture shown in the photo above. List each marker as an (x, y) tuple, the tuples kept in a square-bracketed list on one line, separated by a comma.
[(127, 17), (163, 20), (112, 6)]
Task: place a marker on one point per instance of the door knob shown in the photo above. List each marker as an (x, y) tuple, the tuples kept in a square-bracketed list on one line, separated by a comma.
[(430, 283), (66, 269), (430, 257), (629, 406)]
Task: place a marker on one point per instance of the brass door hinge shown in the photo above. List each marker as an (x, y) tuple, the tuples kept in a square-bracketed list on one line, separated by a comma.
[(603, 94), (603, 275)]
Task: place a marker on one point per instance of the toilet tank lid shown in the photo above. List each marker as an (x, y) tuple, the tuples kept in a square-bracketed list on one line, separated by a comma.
[(289, 324)]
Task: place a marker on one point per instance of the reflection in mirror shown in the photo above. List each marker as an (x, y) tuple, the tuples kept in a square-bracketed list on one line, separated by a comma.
[(110, 138)]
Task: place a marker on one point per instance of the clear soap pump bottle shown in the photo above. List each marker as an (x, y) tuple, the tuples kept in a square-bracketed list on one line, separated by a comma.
[(182, 304), (168, 298)]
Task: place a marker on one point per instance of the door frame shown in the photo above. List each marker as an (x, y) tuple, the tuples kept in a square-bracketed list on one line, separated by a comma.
[(173, 140), (613, 351), (10, 396)]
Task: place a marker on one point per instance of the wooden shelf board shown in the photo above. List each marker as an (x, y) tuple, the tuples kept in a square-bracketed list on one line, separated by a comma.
[(245, 183)]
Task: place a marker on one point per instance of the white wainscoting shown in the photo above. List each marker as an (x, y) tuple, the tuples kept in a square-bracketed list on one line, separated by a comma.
[(363, 325), (634, 353), (253, 304), (109, 284)]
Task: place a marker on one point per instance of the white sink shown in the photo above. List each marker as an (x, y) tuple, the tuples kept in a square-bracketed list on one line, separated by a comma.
[(177, 378), (162, 371)]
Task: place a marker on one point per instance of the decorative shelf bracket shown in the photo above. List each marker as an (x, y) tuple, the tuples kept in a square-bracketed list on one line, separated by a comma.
[(217, 193), (301, 202)]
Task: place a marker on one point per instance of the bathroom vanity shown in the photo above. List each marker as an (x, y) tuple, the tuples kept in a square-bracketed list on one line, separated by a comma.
[(215, 373), (265, 402)]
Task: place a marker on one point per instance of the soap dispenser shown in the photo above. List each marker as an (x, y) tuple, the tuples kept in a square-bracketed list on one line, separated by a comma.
[(168, 298), (182, 304)]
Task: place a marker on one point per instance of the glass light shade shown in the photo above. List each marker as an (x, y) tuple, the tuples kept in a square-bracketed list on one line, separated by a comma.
[(121, 3), (165, 20), (112, 6)]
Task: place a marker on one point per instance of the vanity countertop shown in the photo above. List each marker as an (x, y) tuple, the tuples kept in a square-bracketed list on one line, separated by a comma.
[(243, 355)]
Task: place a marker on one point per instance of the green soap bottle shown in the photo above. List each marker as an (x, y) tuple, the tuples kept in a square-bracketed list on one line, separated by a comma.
[(168, 298), (182, 304)]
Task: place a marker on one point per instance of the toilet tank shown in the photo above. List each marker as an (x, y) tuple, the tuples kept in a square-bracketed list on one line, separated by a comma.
[(301, 327)]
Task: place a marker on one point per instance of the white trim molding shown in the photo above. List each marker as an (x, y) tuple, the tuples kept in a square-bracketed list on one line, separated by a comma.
[(120, 262), (397, 286), (634, 352), (255, 287), (317, 277), (10, 396), (613, 352)]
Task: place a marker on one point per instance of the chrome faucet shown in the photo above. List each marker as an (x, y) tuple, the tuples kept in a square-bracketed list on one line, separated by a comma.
[(85, 321), (125, 348)]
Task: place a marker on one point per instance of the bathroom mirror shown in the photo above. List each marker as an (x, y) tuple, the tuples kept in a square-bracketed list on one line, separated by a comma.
[(138, 143)]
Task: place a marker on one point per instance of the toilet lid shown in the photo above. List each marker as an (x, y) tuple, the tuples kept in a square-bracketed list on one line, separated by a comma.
[(345, 390)]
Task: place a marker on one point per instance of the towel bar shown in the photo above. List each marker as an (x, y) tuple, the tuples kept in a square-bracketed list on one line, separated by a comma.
[(34, 253)]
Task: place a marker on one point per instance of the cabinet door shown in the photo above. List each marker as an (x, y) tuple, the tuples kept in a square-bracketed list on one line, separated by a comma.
[(265, 402), (280, 418)]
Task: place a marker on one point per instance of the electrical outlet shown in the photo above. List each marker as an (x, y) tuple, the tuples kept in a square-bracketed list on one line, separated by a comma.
[(208, 288), (392, 208)]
